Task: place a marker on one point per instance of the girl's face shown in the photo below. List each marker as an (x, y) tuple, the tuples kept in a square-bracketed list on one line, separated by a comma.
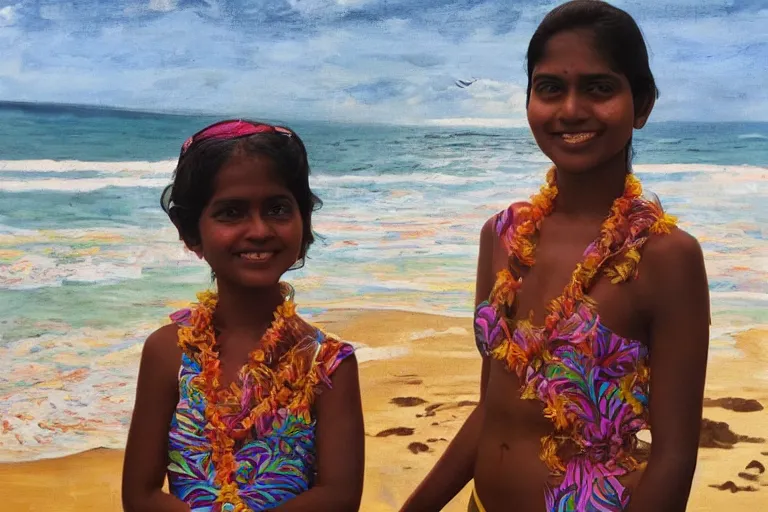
[(251, 230), (581, 111)]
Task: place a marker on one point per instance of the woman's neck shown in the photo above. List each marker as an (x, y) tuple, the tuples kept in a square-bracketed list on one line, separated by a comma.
[(246, 309), (591, 192)]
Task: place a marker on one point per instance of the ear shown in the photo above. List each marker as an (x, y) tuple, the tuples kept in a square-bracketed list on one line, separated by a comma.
[(195, 246), (643, 112), (197, 249)]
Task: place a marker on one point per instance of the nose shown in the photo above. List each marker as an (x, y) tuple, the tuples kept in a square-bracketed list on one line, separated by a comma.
[(573, 109), (259, 228)]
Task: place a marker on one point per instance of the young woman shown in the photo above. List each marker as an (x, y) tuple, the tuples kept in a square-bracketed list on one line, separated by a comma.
[(592, 307)]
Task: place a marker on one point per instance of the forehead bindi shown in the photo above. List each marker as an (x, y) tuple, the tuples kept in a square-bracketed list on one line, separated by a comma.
[(572, 54)]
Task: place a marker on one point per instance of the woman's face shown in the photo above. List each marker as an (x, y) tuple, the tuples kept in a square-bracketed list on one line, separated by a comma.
[(581, 111)]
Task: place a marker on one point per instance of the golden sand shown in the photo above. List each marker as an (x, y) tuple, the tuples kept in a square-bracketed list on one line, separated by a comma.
[(414, 404)]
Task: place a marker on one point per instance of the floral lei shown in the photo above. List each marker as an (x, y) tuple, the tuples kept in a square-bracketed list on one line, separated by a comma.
[(235, 412), (521, 242)]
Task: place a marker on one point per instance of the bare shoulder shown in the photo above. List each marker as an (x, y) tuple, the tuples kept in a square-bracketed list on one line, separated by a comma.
[(672, 256), (163, 340), (161, 351), (488, 233), (673, 276)]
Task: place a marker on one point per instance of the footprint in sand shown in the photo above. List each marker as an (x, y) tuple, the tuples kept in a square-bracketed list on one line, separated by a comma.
[(730, 486), (396, 431), (417, 447), (718, 434), (407, 401), (735, 404), (752, 472)]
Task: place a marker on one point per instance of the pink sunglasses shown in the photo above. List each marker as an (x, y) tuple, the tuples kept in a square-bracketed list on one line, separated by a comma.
[(232, 129)]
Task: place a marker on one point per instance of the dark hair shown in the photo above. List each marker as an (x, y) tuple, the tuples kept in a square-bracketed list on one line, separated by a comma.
[(193, 180), (617, 38)]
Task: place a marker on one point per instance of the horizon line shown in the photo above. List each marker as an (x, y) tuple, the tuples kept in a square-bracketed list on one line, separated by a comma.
[(505, 123)]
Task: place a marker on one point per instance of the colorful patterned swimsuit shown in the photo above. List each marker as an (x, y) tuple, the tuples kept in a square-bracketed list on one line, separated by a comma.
[(593, 383), (273, 465)]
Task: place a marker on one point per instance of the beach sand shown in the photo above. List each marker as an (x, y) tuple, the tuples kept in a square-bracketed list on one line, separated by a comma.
[(415, 402)]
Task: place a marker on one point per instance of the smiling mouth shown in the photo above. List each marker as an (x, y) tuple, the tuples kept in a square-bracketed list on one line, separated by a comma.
[(577, 138), (257, 256)]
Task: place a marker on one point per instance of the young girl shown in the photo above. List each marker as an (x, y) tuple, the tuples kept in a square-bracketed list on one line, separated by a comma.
[(583, 348), (241, 403)]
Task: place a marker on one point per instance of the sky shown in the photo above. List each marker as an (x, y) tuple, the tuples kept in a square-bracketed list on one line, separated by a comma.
[(390, 61)]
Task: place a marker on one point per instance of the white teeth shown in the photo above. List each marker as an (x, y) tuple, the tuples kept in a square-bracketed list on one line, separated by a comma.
[(256, 256), (576, 138)]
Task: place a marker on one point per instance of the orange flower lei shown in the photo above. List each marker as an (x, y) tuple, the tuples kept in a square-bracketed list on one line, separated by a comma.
[(263, 386), (521, 242)]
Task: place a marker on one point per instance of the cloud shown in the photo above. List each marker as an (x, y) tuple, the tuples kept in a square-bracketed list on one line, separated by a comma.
[(378, 91), (162, 5), (8, 16), (358, 60)]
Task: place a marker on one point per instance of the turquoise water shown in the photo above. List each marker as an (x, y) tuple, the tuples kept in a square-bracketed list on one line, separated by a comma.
[(89, 264)]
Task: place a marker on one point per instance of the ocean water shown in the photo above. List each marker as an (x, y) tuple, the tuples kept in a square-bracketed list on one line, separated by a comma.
[(90, 264)]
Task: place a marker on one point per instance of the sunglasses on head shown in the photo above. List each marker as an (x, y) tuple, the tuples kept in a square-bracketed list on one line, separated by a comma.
[(232, 129)]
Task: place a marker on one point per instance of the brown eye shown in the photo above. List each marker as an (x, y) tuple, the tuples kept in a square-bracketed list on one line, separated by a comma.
[(280, 210), (228, 213), (601, 88), (547, 88)]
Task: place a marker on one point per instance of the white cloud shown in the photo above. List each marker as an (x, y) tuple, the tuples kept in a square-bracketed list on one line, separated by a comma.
[(162, 5), (8, 16)]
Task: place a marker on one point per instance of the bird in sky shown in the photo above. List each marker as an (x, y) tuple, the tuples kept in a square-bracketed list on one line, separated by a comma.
[(462, 84)]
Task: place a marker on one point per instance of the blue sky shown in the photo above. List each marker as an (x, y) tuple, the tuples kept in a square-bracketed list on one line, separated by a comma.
[(358, 60)]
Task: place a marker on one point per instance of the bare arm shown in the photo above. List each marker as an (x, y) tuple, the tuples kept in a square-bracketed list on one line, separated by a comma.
[(146, 452), (456, 466), (340, 447), (679, 342)]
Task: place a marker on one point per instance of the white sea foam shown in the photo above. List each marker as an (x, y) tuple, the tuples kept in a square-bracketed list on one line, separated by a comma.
[(62, 264), (148, 174), (79, 185), (63, 166), (746, 296), (703, 168)]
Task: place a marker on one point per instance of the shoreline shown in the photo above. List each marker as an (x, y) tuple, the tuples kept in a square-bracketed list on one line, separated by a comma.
[(415, 402)]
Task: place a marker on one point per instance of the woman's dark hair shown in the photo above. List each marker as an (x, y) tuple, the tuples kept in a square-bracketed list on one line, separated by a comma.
[(616, 37), (193, 180)]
